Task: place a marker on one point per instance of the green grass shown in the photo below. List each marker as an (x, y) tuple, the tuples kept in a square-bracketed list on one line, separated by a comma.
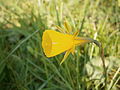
[(23, 65)]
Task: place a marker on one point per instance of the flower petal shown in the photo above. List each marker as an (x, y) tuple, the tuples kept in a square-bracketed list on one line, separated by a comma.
[(73, 50), (65, 56), (68, 27), (76, 33), (60, 29)]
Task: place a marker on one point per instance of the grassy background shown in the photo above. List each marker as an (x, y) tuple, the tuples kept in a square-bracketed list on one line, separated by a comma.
[(23, 65)]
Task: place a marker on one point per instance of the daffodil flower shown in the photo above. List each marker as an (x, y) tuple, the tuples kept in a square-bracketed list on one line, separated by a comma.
[(54, 42)]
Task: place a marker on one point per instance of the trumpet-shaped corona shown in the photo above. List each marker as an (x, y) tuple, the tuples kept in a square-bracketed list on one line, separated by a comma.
[(54, 42)]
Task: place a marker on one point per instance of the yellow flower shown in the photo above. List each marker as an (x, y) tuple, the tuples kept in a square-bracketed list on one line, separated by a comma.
[(54, 42)]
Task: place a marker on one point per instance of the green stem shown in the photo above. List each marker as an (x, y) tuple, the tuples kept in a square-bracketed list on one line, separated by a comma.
[(89, 40), (103, 60)]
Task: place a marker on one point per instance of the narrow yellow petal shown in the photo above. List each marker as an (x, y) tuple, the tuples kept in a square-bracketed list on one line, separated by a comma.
[(76, 33), (65, 56), (73, 50), (60, 29), (68, 27)]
